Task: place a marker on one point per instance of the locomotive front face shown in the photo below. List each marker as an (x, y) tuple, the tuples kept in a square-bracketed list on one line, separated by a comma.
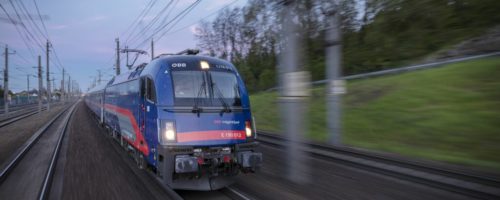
[(206, 134)]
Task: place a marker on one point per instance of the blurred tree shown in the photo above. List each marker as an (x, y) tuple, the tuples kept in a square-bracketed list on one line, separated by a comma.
[(377, 34)]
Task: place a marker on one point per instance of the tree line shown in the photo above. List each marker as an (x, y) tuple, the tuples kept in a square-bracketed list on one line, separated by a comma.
[(377, 34)]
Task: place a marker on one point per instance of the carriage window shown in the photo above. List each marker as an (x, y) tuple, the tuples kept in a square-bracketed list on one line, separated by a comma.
[(150, 90)]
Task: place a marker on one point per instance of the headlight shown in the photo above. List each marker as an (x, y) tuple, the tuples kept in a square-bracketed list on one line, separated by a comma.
[(248, 128), (167, 132)]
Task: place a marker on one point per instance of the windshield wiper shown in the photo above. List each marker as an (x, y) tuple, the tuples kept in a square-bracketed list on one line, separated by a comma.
[(197, 109), (221, 99)]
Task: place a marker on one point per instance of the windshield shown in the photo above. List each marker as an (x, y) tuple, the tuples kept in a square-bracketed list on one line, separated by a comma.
[(219, 88), (187, 84)]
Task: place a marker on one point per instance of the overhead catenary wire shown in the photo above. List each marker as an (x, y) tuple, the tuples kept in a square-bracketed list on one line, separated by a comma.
[(204, 17), (29, 33), (149, 25), (132, 27), (23, 8), (41, 20), (175, 23), (23, 37), (174, 20), (162, 29)]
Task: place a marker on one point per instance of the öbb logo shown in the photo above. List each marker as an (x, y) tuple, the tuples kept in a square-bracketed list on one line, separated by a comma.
[(179, 65)]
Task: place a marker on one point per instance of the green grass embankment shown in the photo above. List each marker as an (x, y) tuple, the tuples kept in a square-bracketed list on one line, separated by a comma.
[(450, 114)]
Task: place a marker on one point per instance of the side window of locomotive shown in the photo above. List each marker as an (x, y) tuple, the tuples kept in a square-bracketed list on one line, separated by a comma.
[(150, 90), (143, 87)]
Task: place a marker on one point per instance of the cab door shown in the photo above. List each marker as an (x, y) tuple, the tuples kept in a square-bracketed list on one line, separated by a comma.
[(149, 113)]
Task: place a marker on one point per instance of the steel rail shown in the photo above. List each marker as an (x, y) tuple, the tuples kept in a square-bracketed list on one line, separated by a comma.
[(24, 149), (10, 120), (452, 180), (44, 192)]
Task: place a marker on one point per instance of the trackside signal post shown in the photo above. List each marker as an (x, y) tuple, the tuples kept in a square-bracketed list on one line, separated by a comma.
[(293, 98), (336, 85)]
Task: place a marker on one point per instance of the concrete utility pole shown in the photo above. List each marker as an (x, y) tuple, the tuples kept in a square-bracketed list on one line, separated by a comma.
[(293, 96), (152, 49), (99, 77), (28, 87), (336, 85), (49, 94), (117, 56), (40, 82), (62, 87), (6, 81), (69, 87)]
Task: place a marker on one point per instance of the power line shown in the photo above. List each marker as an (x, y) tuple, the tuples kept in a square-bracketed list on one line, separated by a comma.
[(40, 16), (31, 19), (209, 15), (35, 39), (141, 16), (172, 26), (168, 14), (176, 19), (149, 25), (57, 61), (20, 33)]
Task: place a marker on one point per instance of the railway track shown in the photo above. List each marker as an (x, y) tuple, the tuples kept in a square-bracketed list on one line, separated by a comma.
[(21, 113), (17, 107), (18, 116), (28, 173), (464, 183)]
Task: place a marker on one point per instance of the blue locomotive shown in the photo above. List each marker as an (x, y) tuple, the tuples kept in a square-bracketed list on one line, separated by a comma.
[(184, 116)]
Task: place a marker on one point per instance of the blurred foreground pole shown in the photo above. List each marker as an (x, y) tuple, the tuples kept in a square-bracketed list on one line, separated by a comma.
[(117, 65), (28, 87), (293, 96), (152, 49), (6, 81), (336, 85), (6, 100), (40, 84)]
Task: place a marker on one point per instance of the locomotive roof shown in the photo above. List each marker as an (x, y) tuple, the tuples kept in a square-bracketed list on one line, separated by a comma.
[(136, 72), (97, 88), (192, 58)]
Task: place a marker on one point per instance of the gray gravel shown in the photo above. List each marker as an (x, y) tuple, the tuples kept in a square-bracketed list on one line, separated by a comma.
[(16, 134), (94, 167)]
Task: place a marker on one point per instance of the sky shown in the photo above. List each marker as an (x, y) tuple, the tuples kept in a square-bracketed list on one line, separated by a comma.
[(83, 34)]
